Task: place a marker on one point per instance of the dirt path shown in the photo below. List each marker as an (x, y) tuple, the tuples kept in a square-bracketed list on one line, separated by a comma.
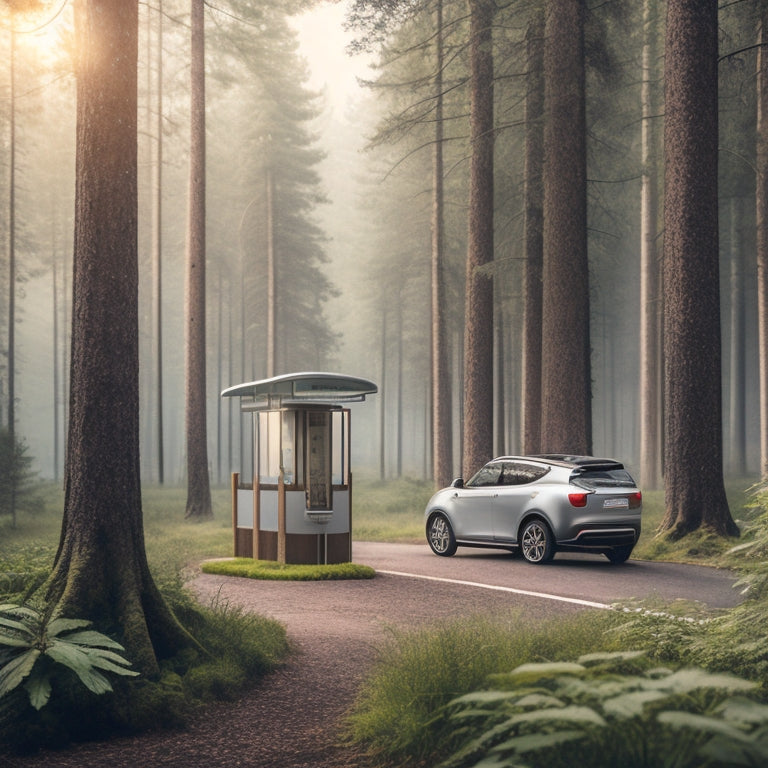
[(293, 719)]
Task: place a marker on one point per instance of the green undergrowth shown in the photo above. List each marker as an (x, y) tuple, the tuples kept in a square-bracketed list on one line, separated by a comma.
[(698, 697), (273, 571), (702, 546), (236, 647), (608, 709)]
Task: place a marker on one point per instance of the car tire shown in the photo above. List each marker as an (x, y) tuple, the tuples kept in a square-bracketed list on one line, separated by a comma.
[(440, 536), (619, 555), (536, 542)]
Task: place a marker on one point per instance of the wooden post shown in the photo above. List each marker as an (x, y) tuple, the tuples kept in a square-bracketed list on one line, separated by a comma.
[(235, 483), (350, 514), (281, 517), (256, 515)]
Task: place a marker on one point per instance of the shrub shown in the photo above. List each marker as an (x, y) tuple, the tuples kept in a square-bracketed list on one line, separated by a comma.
[(609, 710), (32, 646)]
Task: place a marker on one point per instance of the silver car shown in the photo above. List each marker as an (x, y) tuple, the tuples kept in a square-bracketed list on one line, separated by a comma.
[(539, 505)]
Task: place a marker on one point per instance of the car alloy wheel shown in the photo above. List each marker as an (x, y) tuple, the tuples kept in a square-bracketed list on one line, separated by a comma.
[(536, 542), (440, 536)]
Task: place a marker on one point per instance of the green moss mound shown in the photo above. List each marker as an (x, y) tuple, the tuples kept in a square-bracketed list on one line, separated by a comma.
[(270, 570)]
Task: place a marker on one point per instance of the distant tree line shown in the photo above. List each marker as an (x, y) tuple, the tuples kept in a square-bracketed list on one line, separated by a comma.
[(605, 268)]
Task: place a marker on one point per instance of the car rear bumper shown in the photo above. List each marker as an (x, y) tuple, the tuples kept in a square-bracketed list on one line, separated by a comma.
[(601, 536)]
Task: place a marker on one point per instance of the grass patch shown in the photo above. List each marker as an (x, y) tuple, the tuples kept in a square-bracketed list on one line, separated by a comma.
[(701, 547), (273, 571), (389, 510), (398, 716)]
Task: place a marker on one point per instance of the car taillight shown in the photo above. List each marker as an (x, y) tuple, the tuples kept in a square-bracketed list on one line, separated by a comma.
[(578, 499), (635, 500)]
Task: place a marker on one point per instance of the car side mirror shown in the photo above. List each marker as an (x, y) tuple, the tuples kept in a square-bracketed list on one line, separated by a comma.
[(458, 483)]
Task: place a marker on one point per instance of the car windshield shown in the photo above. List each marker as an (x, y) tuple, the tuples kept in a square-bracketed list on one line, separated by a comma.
[(602, 478)]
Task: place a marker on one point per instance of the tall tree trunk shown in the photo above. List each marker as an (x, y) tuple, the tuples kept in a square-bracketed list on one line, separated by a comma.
[(220, 342), (566, 371), (499, 386), (230, 370), (650, 451), (442, 427), (271, 272), (56, 383), (198, 481), (157, 247), (399, 419), (695, 495), (737, 405), (100, 571), (478, 333), (534, 222), (11, 354), (761, 205)]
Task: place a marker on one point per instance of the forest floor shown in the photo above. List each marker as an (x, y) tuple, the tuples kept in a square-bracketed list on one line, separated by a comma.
[(292, 719)]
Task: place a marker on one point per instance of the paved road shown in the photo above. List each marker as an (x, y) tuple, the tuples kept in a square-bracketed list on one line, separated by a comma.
[(589, 578), (414, 587)]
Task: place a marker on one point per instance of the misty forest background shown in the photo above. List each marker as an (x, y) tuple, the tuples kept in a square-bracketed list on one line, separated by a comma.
[(340, 203)]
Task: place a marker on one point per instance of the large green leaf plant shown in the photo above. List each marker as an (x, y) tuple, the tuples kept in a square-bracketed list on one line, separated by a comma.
[(33, 647), (610, 710)]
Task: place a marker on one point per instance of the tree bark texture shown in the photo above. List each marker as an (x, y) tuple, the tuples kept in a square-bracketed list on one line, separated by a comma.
[(650, 358), (695, 495), (198, 481), (566, 370), (442, 428), (478, 327), (534, 224), (761, 205), (100, 572)]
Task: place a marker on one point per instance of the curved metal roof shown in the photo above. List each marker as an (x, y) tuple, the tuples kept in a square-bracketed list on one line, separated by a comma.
[(305, 387)]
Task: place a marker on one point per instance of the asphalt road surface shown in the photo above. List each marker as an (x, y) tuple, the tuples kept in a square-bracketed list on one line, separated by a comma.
[(570, 576)]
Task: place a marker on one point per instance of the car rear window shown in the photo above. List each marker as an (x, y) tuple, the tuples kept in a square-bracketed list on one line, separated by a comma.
[(602, 478), (517, 473), (488, 475)]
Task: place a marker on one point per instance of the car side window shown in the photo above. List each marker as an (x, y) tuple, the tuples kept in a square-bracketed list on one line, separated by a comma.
[(520, 474), (488, 475)]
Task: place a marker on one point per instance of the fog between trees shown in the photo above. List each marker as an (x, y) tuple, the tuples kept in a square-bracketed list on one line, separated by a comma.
[(351, 232)]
